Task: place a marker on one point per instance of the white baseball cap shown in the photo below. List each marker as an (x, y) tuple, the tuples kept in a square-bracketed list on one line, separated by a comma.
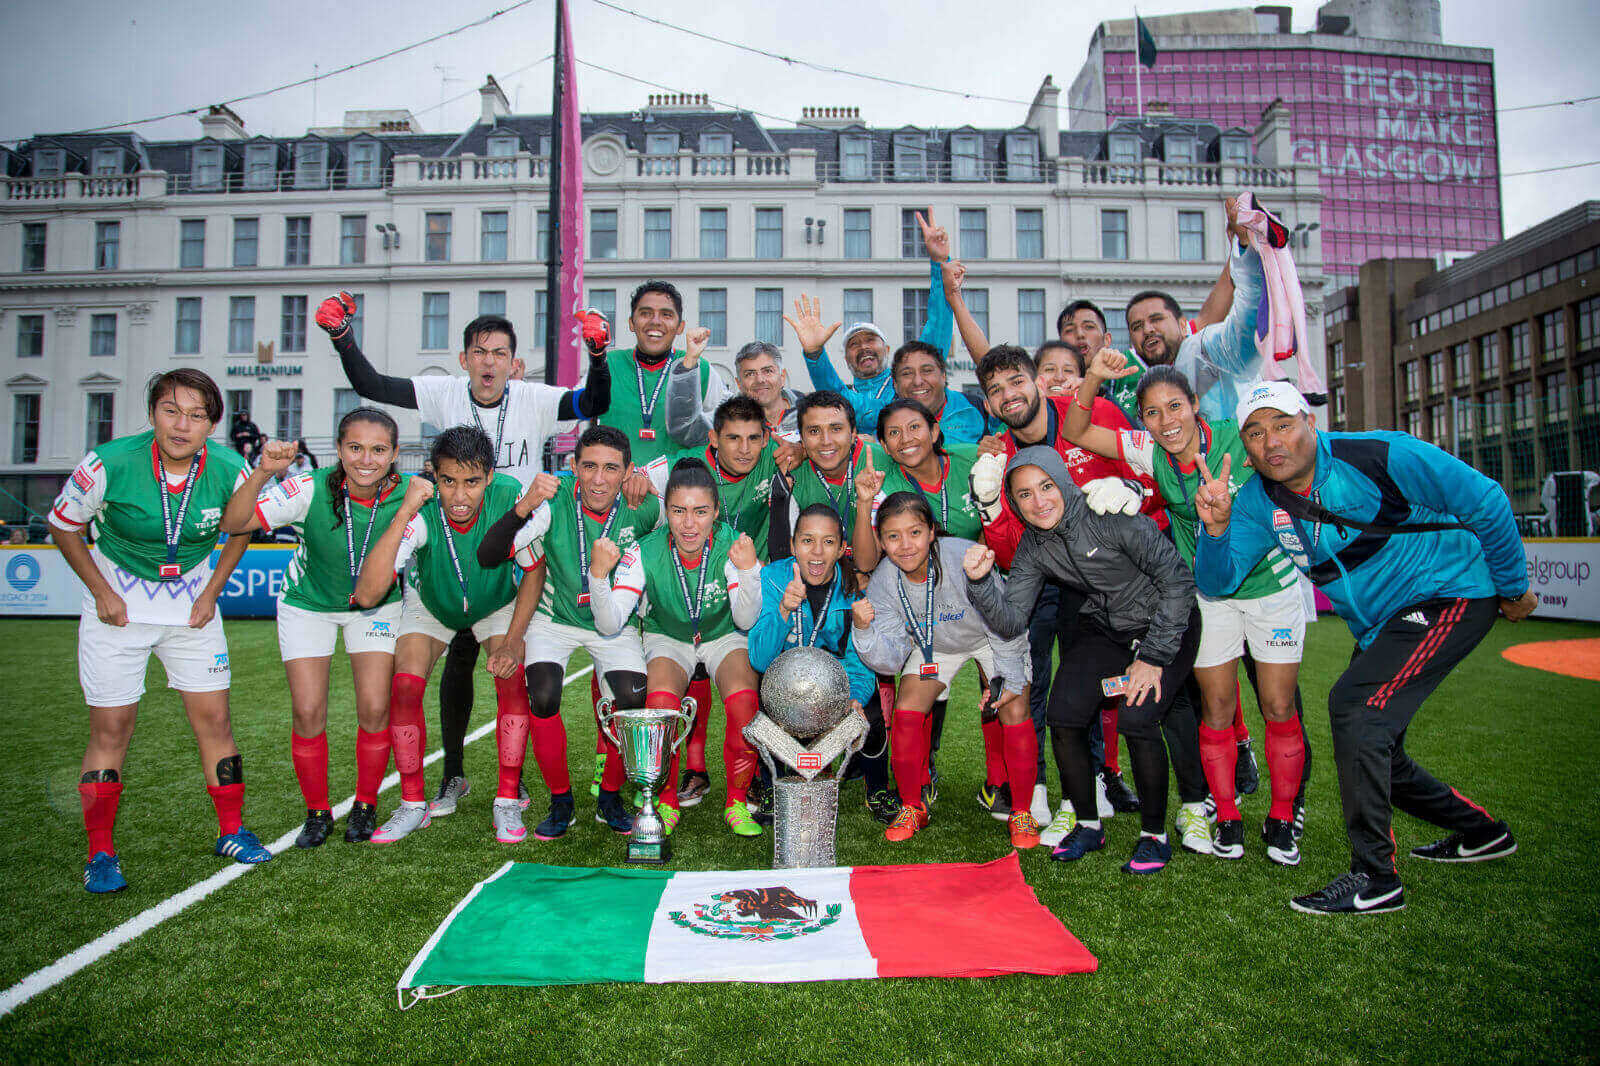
[(864, 327), (1277, 395)]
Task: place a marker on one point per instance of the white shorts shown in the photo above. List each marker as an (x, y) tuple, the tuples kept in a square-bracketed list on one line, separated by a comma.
[(1273, 627), (112, 659), (304, 634), (709, 653), (552, 642), (951, 662), (416, 618)]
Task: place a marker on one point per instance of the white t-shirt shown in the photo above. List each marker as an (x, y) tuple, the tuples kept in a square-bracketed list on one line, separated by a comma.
[(529, 407)]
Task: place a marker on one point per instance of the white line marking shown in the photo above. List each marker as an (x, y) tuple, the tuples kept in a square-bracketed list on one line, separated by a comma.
[(42, 980)]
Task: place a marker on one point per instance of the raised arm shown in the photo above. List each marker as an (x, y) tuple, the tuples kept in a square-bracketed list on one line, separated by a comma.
[(744, 595), (1230, 345), (334, 316), (1005, 604), (687, 424), (1108, 364), (883, 643), (593, 399), (500, 542), (1227, 546), (813, 337), (971, 333), (936, 330), (243, 513)]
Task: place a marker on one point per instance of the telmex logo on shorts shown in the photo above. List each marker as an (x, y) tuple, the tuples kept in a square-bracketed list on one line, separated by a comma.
[(1542, 571), (380, 629), (1281, 638), (22, 572), (221, 664)]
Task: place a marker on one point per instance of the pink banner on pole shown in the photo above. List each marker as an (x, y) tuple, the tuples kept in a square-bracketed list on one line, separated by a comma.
[(569, 303)]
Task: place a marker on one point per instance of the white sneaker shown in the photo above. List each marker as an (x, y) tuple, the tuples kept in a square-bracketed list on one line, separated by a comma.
[(406, 819), (508, 828), (1102, 803), (451, 790), (1040, 807), (1194, 830), (1062, 824)]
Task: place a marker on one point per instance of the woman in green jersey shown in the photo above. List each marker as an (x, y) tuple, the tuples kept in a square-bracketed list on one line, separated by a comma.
[(940, 471)]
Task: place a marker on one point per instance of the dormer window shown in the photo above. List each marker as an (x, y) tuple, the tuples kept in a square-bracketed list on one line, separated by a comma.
[(966, 157), (716, 144), (49, 162), (260, 166), (1178, 148), (363, 164), (502, 145), (1022, 157), (1236, 150), (544, 145), (910, 157), (310, 165), (1124, 148), (855, 157), (106, 161), (207, 167), (661, 144)]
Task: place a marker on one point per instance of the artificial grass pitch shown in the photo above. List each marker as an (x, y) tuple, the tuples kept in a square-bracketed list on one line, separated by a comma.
[(298, 960)]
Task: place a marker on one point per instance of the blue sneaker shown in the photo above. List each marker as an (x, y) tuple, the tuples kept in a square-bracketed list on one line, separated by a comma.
[(1150, 856), (610, 812), (103, 873), (242, 846), (1080, 842)]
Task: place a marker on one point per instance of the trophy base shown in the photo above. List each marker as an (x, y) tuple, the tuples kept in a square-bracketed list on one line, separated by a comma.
[(649, 852), (805, 822)]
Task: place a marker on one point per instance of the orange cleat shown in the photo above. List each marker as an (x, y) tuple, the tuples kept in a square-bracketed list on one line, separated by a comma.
[(909, 820), (1024, 830)]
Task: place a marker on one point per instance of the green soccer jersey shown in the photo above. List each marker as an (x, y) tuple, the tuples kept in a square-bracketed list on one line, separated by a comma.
[(566, 558), (745, 502), (951, 498), (453, 587), (1125, 391), (635, 390), (1178, 486), (119, 487), (321, 576), (811, 487), (653, 567)]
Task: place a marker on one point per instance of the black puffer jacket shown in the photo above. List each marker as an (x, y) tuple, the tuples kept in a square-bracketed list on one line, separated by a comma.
[(1136, 584)]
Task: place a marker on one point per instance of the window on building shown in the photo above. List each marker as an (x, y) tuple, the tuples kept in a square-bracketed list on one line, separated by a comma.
[(310, 165), (1557, 401), (603, 233), (1030, 317), (714, 315), (911, 246), (541, 236), (436, 236), (103, 334), (1553, 336), (492, 302), (363, 169), (1235, 151), (974, 229), (1464, 429), (716, 144), (1436, 380), (261, 166), (192, 243), (713, 233), (1113, 233), (1490, 405), (344, 401), (1022, 157), (658, 233), (1520, 346), (352, 238), (1178, 148), (1124, 148), (186, 339), (966, 157), (25, 427), (913, 312), (107, 245), (1339, 412), (977, 301), (1336, 356), (769, 233), (857, 306), (910, 157), (541, 318), (104, 161), (1488, 356), (30, 336), (237, 401), (207, 170), (358, 317), (660, 144), (289, 403), (435, 321), (246, 241), (1030, 233), (49, 162), (241, 324), (1192, 236), (605, 301), (1589, 389), (1439, 425), (502, 145), (1522, 405), (100, 418), (769, 316), (855, 157), (33, 240), (292, 332), (858, 233), (495, 227), (1588, 324), (297, 241), (1461, 364), (1410, 372)]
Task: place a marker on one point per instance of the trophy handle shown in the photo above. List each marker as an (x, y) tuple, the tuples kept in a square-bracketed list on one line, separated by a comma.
[(603, 713), (686, 720)]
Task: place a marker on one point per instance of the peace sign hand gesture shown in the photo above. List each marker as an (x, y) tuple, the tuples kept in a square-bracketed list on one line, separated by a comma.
[(1214, 502), (807, 324)]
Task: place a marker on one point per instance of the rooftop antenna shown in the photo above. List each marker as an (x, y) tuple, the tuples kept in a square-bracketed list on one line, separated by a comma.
[(315, 71), (444, 79)]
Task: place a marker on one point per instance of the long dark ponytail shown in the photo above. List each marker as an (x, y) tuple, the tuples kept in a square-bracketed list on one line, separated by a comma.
[(335, 473)]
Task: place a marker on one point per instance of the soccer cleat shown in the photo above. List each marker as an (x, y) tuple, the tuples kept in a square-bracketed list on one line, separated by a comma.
[(1060, 825), (1080, 842), (1494, 843), (316, 829), (1040, 807), (451, 791), (406, 819), (930, 791), (884, 805), (694, 788), (557, 822), (1024, 830), (1278, 836), (995, 800), (1354, 893), (508, 827), (1194, 831), (359, 825), (1298, 823), (1150, 856), (599, 768), (610, 812), (1229, 840), (669, 817), (1246, 775), (103, 873), (906, 824), (1123, 800), (759, 799), (241, 845), (738, 818)]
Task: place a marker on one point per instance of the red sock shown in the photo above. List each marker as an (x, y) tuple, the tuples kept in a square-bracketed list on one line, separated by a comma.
[(1241, 732), (700, 692), (310, 758), (738, 757), (600, 745), (100, 799), (611, 777), (1286, 759), (994, 754), (908, 754), (372, 762), (1219, 756), (229, 802), (1108, 732), (665, 700), (1022, 762), (408, 731), (512, 722)]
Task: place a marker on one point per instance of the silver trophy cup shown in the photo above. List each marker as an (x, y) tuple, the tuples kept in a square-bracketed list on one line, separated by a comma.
[(805, 696), (647, 738)]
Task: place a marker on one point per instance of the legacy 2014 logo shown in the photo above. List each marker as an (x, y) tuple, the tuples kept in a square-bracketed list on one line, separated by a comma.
[(757, 914), (23, 572)]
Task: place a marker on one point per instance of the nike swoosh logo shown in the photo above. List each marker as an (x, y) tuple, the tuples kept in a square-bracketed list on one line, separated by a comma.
[(1484, 847), (1143, 866), (1090, 553), (1363, 904)]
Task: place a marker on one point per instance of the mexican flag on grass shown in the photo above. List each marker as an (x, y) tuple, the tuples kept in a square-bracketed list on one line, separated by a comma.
[(531, 924)]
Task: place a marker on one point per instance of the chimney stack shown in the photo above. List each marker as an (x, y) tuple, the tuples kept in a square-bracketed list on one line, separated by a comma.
[(1045, 119), (1272, 139), (495, 104), (221, 123)]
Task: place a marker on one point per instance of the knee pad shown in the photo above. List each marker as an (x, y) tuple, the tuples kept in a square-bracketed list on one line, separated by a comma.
[(544, 689), (627, 688), (230, 771)]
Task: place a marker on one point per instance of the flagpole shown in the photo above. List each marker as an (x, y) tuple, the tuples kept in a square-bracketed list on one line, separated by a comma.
[(1138, 78), (553, 303)]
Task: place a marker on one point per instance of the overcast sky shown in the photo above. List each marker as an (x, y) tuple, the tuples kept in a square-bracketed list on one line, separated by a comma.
[(80, 63)]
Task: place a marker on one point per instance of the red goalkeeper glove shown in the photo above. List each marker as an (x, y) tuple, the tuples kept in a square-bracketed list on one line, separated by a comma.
[(596, 332), (333, 314)]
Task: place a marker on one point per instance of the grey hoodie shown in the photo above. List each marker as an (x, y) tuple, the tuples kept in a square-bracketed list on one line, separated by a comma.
[(1136, 584)]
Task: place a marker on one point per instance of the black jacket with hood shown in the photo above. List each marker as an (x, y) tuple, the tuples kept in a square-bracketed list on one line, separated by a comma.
[(1136, 585)]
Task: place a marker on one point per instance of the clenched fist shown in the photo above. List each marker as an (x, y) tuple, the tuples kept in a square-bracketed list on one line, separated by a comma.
[(596, 332), (985, 478), (603, 556), (742, 553), (276, 455), (694, 345), (419, 490), (543, 487), (977, 562), (862, 613), (334, 314)]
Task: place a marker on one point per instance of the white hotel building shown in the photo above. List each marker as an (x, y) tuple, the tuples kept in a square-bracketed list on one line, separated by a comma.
[(121, 257)]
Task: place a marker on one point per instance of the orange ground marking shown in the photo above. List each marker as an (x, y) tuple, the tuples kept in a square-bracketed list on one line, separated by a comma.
[(1574, 658)]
